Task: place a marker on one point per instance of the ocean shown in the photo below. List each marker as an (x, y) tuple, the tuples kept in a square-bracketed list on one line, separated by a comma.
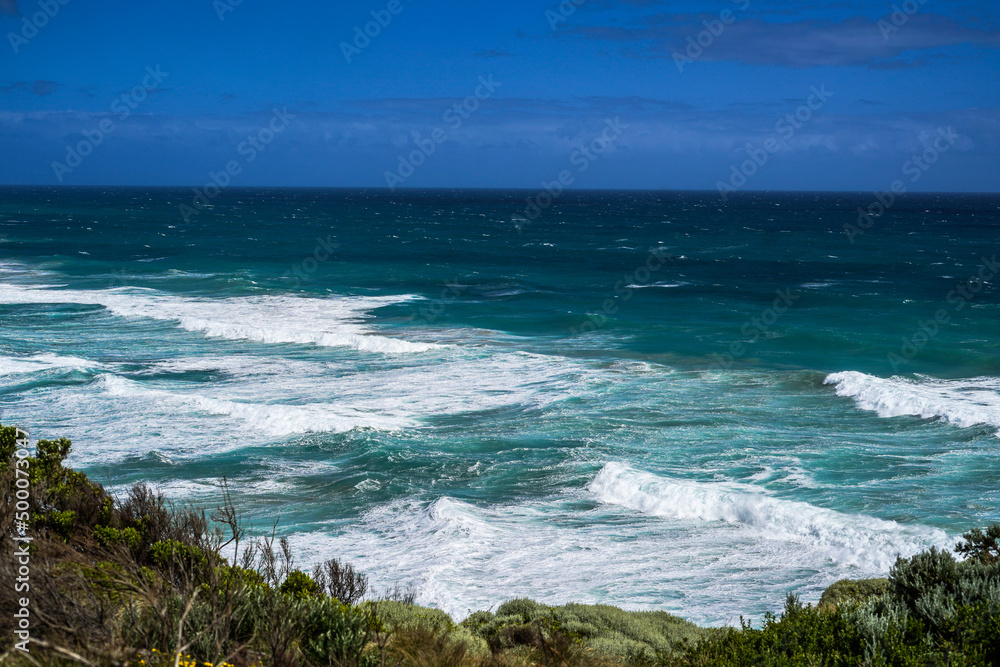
[(655, 400)]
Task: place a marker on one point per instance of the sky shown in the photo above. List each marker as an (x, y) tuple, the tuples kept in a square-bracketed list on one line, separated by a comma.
[(646, 94)]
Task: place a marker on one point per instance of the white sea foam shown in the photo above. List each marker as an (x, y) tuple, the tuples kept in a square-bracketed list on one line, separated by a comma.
[(244, 366), (42, 362), (466, 383), (323, 397), (330, 322), (17, 270), (207, 490), (963, 403), (258, 401), (462, 556), (183, 489), (274, 419), (637, 286), (852, 539)]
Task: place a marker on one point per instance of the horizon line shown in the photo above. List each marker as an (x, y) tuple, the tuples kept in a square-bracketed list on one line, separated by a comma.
[(439, 188)]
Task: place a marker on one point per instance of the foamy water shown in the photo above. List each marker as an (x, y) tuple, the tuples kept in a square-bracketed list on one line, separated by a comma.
[(429, 405), (964, 403), (334, 322)]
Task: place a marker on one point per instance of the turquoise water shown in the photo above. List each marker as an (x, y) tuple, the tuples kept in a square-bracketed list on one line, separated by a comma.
[(653, 400)]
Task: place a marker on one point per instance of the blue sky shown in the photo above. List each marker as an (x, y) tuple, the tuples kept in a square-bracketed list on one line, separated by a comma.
[(895, 74)]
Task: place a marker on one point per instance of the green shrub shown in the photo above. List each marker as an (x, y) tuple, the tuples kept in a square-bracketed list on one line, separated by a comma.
[(106, 536), (51, 453), (852, 591), (333, 633), (657, 630), (427, 646), (169, 554), (981, 545), (61, 523), (523, 607), (396, 618), (130, 537), (930, 574), (63, 501), (802, 635), (933, 610), (634, 635), (8, 445), (395, 615), (299, 584), (232, 575), (478, 619)]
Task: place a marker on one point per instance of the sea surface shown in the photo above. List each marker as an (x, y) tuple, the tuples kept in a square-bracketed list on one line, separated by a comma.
[(649, 399)]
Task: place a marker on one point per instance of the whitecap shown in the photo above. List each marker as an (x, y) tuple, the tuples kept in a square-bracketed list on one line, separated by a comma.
[(329, 322), (272, 418), (43, 362), (664, 285), (461, 556), (851, 539), (964, 403)]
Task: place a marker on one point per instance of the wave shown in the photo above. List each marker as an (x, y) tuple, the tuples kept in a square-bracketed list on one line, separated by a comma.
[(964, 403), (255, 401), (321, 393), (852, 539), (271, 418), (329, 322), (42, 362), (19, 271), (636, 286), (239, 366), (462, 556)]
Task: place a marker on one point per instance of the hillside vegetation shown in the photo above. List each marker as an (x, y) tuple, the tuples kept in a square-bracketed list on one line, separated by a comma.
[(136, 581)]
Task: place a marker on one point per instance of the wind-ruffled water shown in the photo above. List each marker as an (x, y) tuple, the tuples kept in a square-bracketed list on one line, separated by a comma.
[(651, 400)]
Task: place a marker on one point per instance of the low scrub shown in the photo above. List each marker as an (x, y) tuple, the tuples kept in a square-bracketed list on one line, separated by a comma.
[(848, 591), (609, 631), (135, 581)]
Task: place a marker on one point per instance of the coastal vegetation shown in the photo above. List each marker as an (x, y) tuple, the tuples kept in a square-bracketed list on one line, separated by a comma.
[(134, 580)]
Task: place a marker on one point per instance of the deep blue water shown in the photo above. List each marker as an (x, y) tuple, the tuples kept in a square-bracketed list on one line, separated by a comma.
[(654, 400)]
